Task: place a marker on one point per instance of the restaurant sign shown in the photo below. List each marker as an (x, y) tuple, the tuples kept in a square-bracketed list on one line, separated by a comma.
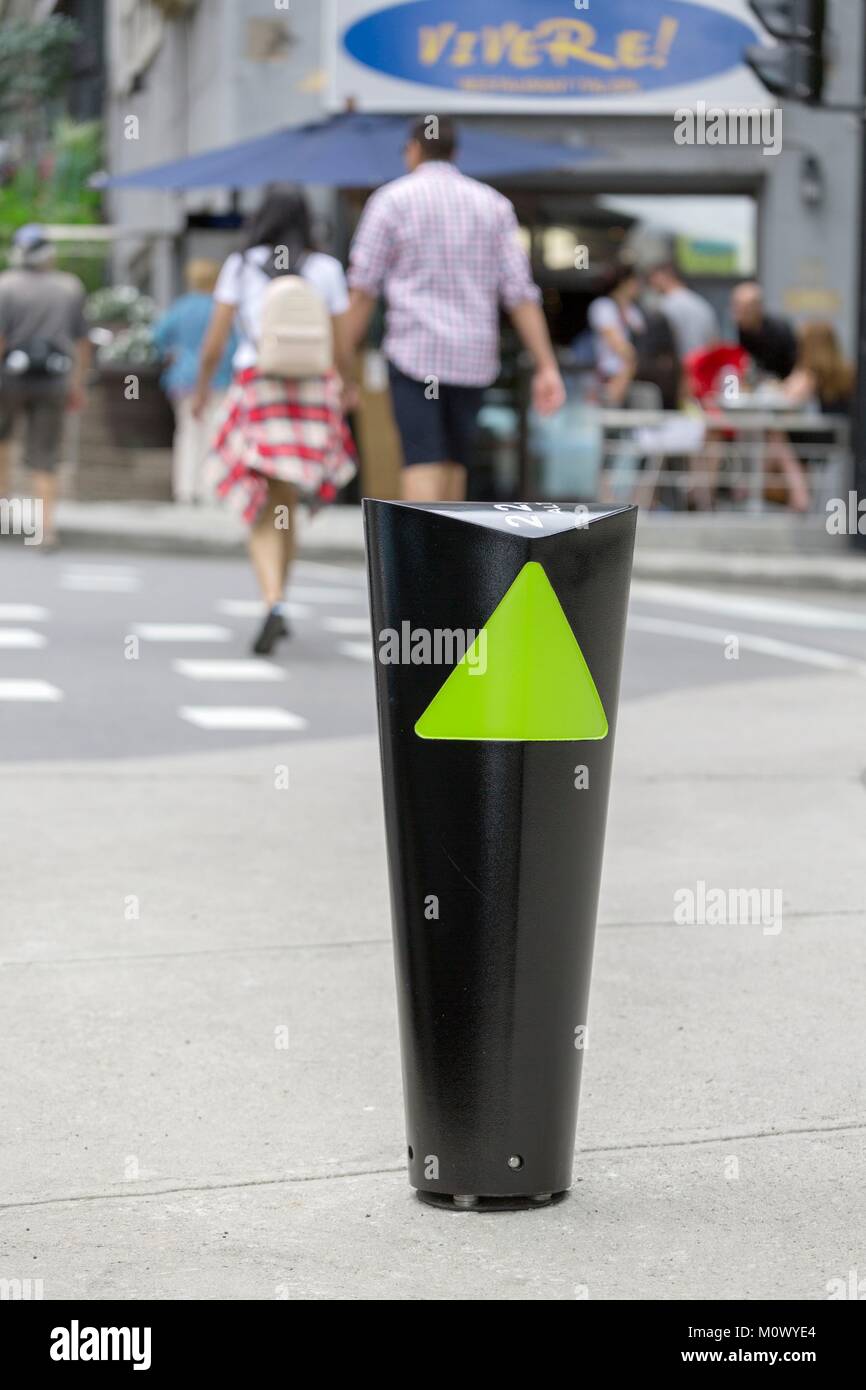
[(540, 54)]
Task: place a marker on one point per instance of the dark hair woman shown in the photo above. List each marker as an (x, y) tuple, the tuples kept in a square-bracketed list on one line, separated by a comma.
[(282, 439), (616, 321), (283, 219)]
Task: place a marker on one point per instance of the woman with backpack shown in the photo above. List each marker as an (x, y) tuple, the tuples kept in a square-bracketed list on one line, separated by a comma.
[(282, 436)]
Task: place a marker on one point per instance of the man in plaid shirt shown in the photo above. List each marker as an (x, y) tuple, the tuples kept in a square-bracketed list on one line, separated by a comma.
[(444, 250)]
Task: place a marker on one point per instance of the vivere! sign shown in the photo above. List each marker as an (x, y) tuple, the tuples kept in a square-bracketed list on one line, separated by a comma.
[(543, 54)]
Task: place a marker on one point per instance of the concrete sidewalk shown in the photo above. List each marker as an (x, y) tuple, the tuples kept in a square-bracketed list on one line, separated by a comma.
[(775, 550), (166, 919)]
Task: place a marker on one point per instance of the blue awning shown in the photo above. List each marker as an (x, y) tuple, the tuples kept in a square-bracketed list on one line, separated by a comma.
[(351, 150)]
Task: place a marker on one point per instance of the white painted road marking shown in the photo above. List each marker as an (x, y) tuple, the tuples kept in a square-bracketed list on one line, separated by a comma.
[(250, 718), (229, 670), (750, 642), (315, 569), (22, 613), (360, 651), (21, 637), (773, 610), (100, 581), (182, 632), (29, 690), (326, 595), (346, 626), (254, 608)]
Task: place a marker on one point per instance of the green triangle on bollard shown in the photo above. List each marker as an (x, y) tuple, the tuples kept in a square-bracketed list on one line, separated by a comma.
[(523, 680)]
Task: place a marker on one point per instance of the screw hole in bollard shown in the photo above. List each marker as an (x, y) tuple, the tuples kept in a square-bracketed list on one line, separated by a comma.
[(411, 1152)]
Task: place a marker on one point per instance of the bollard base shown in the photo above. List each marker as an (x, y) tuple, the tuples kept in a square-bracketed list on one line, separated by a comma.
[(447, 1201)]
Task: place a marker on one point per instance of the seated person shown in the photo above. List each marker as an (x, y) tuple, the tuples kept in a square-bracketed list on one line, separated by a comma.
[(821, 380)]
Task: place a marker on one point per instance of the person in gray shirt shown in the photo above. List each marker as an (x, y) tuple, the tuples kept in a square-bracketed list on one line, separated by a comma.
[(691, 317), (44, 357)]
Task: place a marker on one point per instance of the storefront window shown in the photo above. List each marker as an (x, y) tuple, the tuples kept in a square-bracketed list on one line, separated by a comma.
[(706, 236)]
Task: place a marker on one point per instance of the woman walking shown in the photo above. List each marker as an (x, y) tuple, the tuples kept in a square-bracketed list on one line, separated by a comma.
[(282, 438)]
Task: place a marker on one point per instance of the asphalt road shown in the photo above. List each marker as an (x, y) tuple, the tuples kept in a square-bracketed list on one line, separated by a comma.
[(103, 656)]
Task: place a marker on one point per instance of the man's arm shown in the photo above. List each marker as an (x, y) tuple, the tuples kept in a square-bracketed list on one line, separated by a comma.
[(358, 315), (370, 258), (548, 391), (522, 299)]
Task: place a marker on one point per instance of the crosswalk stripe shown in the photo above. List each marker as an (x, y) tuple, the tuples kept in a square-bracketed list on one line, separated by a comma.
[(22, 613), (229, 670), (750, 642), (248, 718), (21, 637), (315, 569), (754, 606), (346, 626), (326, 595), (97, 567), (40, 691), (100, 583), (360, 651), (254, 608), (182, 632)]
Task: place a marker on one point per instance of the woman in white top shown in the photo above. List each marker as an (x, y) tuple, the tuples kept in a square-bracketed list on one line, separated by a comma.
[(281, 440), (615, 320)]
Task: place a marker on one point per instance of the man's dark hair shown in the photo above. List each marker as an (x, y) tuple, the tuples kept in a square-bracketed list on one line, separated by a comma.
[(436, 136)]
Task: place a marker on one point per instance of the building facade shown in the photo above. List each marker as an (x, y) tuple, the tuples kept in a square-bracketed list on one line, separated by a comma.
[(185, 77)]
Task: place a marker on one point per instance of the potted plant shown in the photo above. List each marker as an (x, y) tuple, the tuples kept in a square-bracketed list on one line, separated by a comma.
[(137, 411)]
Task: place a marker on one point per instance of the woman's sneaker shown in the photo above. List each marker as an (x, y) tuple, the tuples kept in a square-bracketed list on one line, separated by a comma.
[(273, 630)]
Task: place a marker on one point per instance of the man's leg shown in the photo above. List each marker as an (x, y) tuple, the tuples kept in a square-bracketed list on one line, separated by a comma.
[(45, 411), (426, 474), (456, 482), (5, 467), (6, 423), (460, 408), (427, 482), (45, 492)]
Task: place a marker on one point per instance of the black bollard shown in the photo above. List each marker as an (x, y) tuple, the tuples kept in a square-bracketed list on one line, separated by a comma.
[(498, 632)]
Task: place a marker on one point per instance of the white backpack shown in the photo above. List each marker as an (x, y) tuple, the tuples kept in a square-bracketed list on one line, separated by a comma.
[(295, 334)]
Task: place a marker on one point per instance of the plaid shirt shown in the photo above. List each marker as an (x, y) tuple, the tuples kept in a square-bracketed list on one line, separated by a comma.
[(444, 250)]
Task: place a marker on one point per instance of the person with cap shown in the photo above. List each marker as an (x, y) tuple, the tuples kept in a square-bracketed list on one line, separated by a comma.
[(444, 251), (44, 359)]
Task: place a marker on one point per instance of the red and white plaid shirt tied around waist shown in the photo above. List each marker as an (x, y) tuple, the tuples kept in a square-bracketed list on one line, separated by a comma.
[(445, 251)]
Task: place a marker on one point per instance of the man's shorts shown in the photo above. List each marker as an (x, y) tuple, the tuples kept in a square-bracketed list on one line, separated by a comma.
[(42, 404), (440, 430)]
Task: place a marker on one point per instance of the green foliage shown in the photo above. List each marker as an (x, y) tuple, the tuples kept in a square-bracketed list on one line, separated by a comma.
[(53, 158), (34, 67), (57, 191)]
